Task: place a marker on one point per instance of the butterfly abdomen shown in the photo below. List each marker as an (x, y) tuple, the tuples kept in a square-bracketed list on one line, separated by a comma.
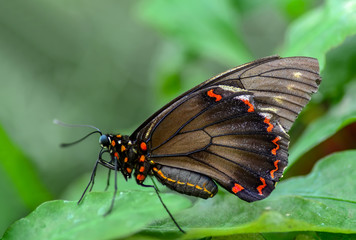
[(187, 182)]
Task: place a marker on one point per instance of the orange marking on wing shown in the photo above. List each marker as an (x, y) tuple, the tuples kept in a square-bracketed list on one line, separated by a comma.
[(129, 170), (123, 148), (126, 159), (116, 155), (143, 146), (270, 126), (113, 143), (118, 136), (262, 186), (142, 158), (274, 150), (213, 95), (247, 102), (140, 177), (142, 168), (276, 165), (237, 188)]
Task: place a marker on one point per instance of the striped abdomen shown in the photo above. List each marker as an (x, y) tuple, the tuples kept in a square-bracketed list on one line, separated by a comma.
[(186, 182)]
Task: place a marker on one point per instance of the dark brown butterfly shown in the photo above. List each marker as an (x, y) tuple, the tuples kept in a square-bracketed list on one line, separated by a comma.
[(230, 130)]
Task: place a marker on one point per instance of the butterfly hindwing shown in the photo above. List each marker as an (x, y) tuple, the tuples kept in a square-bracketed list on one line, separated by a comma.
[(225, 140)]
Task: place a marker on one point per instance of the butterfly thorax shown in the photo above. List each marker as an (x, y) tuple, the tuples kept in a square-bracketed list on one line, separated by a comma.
[(128, 156)]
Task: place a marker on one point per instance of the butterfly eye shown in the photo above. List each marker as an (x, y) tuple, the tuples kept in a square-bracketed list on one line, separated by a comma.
[(104, 141)]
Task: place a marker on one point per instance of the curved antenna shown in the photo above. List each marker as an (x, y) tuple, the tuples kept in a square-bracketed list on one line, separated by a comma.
[(56, 121), (75, 142)]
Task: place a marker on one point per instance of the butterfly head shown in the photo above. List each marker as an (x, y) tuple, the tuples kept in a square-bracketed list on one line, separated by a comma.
[(104, 141)]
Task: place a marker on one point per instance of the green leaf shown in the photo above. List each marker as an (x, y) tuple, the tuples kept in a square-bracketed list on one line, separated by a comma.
[(208, 27), (322, 29), (308, 236), (133, 211), (323, 201), (340, 65), (338, 117), (11, 204), (21, 173), (332, 179)]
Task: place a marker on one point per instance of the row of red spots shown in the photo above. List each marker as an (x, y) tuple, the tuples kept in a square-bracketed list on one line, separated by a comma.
[(247, 102), (276, 168), (274, 150), (262, 186), (270, 126), (213, 95), (237, 188)]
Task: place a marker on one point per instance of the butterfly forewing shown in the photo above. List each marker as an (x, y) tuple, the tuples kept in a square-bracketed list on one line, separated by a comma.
[(233, 127), (281, 86)]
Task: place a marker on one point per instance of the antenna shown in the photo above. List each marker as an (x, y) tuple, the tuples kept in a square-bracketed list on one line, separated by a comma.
[(97, 130)]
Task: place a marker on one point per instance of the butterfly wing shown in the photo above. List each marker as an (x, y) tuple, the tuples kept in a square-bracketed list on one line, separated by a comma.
[(233, 127)]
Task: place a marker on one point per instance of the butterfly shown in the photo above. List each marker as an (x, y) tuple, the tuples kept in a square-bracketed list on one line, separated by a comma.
[(229, 131)]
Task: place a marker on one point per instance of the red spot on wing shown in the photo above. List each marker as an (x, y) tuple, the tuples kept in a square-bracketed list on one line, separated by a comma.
[(143, 146), (213, 95), (274, 150), (142, 158), (116, 155), (276, 165), (237, 188), (262, 186), (270, 126), (247, 102)]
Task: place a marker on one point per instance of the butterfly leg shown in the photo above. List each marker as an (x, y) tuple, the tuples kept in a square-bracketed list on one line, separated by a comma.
[(164, 205), (108, 180), (115, 191), (91, 182)]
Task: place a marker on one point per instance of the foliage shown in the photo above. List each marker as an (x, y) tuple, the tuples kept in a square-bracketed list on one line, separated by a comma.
[(112, 63)]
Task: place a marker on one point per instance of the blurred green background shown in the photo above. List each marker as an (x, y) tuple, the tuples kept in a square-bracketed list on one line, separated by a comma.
[(113, 63)]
